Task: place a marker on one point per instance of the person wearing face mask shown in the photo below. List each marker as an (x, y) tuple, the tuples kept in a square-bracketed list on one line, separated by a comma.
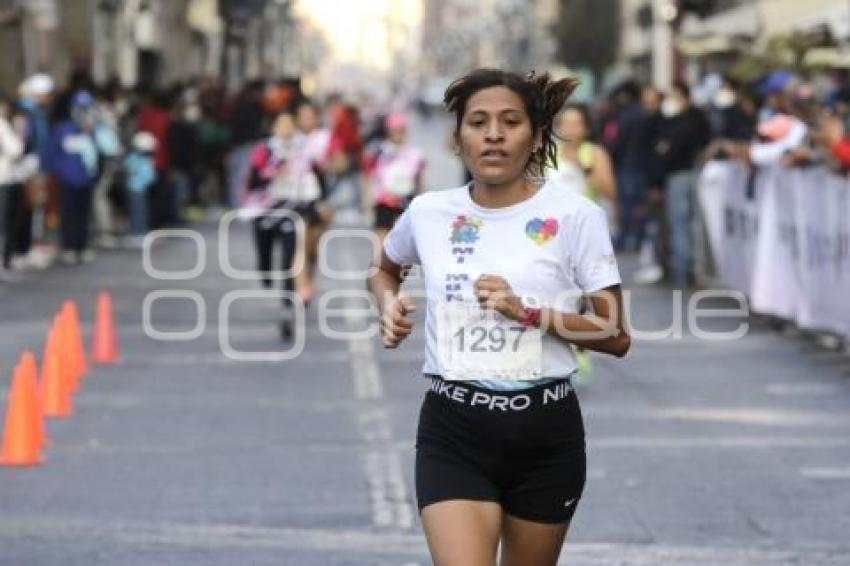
[(73, 161), (736, 110), (182, 139), (684, 133), (734, 115), (32, 192), (394, 173)]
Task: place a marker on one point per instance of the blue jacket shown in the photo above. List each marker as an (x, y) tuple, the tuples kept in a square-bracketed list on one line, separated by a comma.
[(38, 137), (141, 172), (72, 156)]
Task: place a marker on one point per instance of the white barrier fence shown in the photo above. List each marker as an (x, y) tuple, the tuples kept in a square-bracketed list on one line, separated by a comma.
[(783, 238)]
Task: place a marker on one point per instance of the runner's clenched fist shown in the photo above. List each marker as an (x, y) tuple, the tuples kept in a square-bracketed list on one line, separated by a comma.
[(395, 324), (494, 292)]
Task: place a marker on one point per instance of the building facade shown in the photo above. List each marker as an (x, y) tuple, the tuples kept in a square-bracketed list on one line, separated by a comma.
[(148, 42), (716, 33), (458, 35)]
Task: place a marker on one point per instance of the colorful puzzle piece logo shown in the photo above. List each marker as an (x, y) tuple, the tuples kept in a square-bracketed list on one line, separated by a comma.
[(465, 230), (541, 231)]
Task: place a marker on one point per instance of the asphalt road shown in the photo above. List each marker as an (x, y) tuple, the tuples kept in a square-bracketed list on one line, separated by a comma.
[(700, 452)]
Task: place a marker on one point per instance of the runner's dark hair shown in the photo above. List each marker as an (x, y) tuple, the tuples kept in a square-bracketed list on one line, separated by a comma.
[(542, 96)]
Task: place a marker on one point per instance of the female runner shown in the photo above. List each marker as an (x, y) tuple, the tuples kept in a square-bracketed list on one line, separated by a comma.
[(277, 183), (585, 167), (586, 164), (394, 173), (500, 455)]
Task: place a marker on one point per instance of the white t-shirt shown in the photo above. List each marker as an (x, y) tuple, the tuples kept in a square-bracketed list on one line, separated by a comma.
[(553, 246), (395, 171), (317, 146), (296, 181), (569, 176)]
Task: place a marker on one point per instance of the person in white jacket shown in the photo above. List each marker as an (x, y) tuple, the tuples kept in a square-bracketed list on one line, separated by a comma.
[(15, 169), (11, 145)]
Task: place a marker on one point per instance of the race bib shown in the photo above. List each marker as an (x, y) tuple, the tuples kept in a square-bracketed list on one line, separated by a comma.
[(478, 344), (398, 180), (296, 188), (309, 188), (283, 186)]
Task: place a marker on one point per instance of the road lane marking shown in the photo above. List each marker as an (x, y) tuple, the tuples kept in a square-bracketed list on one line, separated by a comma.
[(217, 358), (386, 545), (724, 442), (753, 416), (390, 504), (801, 389), (826, 473), (372, 435), (364, 371)]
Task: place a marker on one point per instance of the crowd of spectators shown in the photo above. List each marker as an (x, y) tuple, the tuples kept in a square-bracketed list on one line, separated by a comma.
[(659, 141), (86, 166)]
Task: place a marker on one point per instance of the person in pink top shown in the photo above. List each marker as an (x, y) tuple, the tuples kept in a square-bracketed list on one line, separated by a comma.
[(394, 173), (278, 183), (311, 160)]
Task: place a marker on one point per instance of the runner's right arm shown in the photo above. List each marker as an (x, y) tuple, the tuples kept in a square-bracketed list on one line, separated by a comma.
[(393, 306)]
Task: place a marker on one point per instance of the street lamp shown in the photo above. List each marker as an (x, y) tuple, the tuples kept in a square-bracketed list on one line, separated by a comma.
[(664, 13), (669, 11)]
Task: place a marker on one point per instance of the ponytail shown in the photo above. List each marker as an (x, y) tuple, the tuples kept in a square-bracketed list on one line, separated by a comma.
[(552, 96)]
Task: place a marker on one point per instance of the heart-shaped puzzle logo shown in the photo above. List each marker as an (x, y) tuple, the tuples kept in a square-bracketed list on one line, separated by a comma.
[(541, 231)]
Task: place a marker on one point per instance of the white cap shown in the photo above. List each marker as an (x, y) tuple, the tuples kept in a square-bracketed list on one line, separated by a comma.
[(38, 84), (144, 141)]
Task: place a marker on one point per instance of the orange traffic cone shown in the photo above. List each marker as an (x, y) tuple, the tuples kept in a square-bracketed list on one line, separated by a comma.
[(65, 352), (76, 337), (104, 345), (21, 443), (29, 368), (55, 390)]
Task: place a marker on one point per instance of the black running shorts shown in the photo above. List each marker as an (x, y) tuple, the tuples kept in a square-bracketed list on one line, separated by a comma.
[(309, 212), (523, 449), (385, 216)]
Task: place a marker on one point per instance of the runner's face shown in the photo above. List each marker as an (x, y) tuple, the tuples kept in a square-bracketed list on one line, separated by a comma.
[(397, 135), (571, 126), (284, 127), (651, 99), (495, 136), (306, 119)]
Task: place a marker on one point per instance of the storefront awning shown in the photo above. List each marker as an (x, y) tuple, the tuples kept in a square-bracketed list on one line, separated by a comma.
[(740, 22), (835, 18), (834, 57), (203, 16), (730, 30), (782, 17), (701, 47)]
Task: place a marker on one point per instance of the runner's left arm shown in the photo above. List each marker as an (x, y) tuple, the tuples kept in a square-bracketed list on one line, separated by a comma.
[(603, 330)]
